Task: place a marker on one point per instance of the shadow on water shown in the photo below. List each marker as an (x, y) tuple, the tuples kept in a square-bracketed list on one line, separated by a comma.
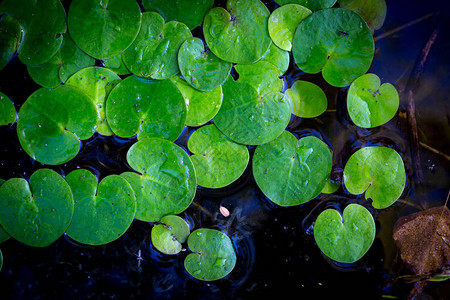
[(275, 246)]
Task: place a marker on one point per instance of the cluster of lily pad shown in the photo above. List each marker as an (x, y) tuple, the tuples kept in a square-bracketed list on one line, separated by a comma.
[(155, 78)]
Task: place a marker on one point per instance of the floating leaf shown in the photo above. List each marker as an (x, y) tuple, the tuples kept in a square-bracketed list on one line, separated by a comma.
[(331, 186), (370, 104), (373, 11), (7, 110), (166, 184), (284, 21), (277, 57), (67, 61), (43, 21), (249, 119), (97, 83), (201, 106), (200, 68), (154, 52), (147, 108), (218, 161), (51, 124), (168, 236), (3, 234), (104, 28), (311, 4), (190, 12), (214, 256), (335, 41), (309, 101), (377, 171), (37, 212), (101, 214), (290, 171), (263, 76), (239, 33), (11, 36), (345, 238), (115, 63)]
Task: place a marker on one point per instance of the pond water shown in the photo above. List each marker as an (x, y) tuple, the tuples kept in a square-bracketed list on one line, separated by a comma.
[(276, 251)]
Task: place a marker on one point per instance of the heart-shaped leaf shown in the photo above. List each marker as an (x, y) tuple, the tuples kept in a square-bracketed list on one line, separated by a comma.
[(290, 171), (345, 238), (308, 100), (168, 236), (37, 212), (7, 110), (373, 11), (214, 256), (377, 171), (370, 104), (11, 37)]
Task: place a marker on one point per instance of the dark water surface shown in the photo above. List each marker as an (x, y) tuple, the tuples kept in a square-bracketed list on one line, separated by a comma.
[(277, 255)]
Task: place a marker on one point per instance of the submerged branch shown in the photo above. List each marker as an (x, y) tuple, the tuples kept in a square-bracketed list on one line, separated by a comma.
[(400, 28), (435, 151)]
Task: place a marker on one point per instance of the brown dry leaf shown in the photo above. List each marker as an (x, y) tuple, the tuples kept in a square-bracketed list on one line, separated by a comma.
[(423, 240)]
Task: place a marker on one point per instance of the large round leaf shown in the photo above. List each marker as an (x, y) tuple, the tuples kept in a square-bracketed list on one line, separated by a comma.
[(291, 172), (373, 11), (218, 161), (7, 110), (214, 256), (11, 36), (101, 214), (97, 83), (43, 21), (345, 238), (189, 12), (200, 68), (308, 100), (154, 52), (238, 34), (147, 108), (335, 41), (370, 104), (67, 61), (166, 184), (283, 22), (37, 212), (104, 28), (247, 118), (311, 4), (377, 171), (201, 106), (51, 124), (168, 236), (263, 76)]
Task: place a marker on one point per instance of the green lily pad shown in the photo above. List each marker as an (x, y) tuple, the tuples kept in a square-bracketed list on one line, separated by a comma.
[(37, 212), (51, 124), (335, 41), (67, 61), (101, 214), (278, 57), (309, 101), (290, 171), (11, 36), (104, 28), (200, 68), (115, 63), (345, 238), (7, 110), (218, 161), (166, 184), (154, 53), (373, 11), (331, 186), (377, 171), (168, 236), (370, 103), (311, 4), (247, 118), (284, 21), (3, 234), (43, 21), (190, 12), (263, 76), (201, 106), (97, 83), (214, 256), (148, 108), (239, 33)]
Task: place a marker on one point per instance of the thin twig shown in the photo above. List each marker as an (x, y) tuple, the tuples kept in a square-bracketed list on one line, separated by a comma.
[(435, 150), (392, 31)]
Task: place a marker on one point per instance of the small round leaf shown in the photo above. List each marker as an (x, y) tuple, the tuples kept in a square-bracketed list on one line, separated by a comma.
[(278, 57), (11, 36), (309, 101), (168, 236), (373, 11), (7, 110)]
